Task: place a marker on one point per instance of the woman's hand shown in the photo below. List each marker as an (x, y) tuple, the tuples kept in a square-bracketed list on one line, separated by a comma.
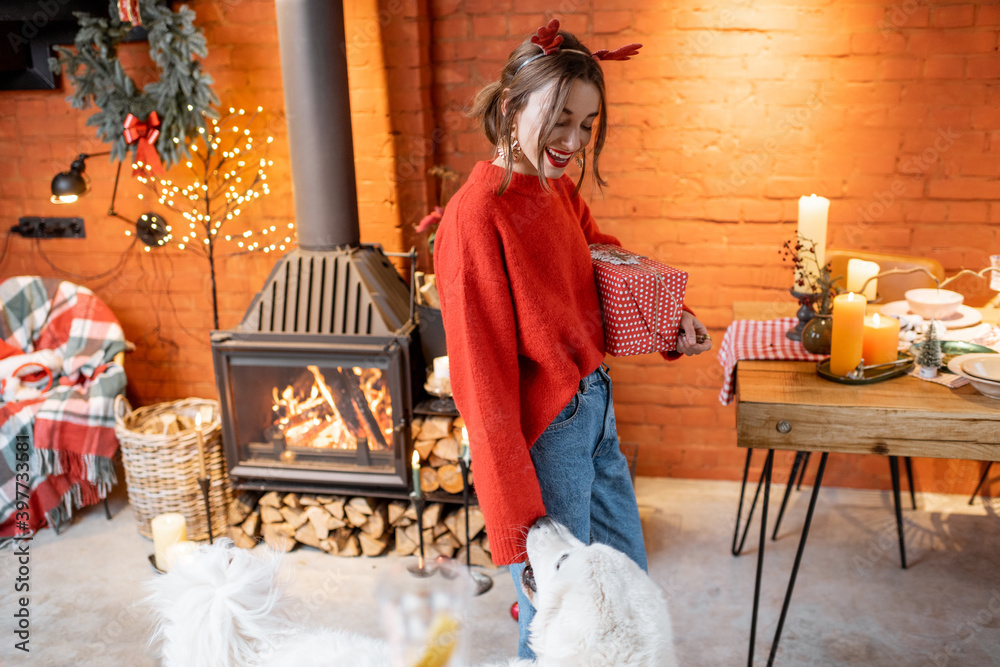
[(691, 331)]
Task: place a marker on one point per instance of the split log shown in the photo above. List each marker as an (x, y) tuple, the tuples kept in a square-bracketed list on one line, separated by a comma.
[(448, 449), (439, 529), (424, 448), (444, 546), (270, 499), (241, 506), (435, 428), (450, 478), (252, 524), (270, 514), (320, 520), (325, 500), (404, 545), (336, 507), (372, 546), (479, 556), (432, 514), (377, 522), (351, 547), (309, 501), (396, 511), (364, 505), (292, 500), (429, 480), (354, 516), (241, 539), (458, 423), (415, 426), (306, 534), (279, 536), (295, 517), (456, 524), (485, 542)]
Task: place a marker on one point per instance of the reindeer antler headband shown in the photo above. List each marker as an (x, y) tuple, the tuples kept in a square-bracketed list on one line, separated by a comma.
[(549, 40)]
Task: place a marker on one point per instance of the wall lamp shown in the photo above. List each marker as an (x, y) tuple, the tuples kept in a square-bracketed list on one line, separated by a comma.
[(68, 186)]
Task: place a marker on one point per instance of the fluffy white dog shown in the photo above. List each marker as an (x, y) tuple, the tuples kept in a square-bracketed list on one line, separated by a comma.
[(595, 606), (226, 607)]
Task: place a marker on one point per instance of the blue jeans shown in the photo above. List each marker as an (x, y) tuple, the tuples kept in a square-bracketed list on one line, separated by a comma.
[(585, 482)]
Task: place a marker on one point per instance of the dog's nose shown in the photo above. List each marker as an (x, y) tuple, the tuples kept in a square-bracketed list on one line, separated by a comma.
[(544, 522)]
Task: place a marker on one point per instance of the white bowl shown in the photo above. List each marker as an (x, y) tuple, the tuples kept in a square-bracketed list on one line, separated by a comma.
[(987, 388), (982, 366), (933, 303)]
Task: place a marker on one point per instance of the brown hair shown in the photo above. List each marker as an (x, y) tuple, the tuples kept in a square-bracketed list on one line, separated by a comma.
[(562, 67)]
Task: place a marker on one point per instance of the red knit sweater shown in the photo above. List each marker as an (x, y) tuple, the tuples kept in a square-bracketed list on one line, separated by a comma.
[(523, 323)]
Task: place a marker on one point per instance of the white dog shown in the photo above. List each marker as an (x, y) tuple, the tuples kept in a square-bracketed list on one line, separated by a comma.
[(595, 606), (226, 607)]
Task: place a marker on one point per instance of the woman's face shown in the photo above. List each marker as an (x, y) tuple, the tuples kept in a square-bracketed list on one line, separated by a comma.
[(570, 134)]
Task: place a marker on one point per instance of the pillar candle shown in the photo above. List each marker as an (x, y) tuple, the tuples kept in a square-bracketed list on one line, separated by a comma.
[(167, 529), (858, 271), (415, 465), (179, 552), (813, 213), (995, 273), (848, 332), (442, 370), (881, 340)]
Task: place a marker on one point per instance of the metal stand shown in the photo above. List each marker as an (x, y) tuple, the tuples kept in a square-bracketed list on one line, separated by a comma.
[(982, 480), (805, 313), (204, 483), (418, 505), (483, 581), (894, 471)]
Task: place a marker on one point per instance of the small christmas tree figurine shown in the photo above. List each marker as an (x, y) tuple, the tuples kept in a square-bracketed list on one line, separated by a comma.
[(929, 356)]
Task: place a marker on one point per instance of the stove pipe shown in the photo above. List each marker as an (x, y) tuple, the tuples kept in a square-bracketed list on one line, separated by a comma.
[(318, 113)]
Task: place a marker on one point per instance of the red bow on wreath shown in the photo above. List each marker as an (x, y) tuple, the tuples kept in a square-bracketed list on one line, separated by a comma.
[(128, 12), (144, 134)]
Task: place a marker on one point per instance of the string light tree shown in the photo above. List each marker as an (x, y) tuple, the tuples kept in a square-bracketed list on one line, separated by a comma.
[(227, 164)]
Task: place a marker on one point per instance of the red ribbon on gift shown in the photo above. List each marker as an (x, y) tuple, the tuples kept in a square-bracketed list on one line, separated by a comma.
[(144, 135), (128, 12)]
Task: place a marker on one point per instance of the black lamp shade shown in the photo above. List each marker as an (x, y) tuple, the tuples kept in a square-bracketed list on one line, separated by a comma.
[(68, 185)]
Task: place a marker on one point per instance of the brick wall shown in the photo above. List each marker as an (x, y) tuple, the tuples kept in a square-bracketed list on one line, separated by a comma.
[(730, 113)]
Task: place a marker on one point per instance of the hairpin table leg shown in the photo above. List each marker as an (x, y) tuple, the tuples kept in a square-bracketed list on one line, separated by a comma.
[(737, 548), (894, 470), (802, 473), (982, 480), (909, 480), (788, 491), (766, 479), (798, 558)]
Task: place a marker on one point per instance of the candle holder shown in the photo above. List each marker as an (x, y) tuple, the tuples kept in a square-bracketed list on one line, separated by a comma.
[(482, 581), (805, 313), (205, 484), (418, 505)]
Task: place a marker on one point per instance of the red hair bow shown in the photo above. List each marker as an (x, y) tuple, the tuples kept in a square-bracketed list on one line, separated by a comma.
[(548, 38), (621, 53)]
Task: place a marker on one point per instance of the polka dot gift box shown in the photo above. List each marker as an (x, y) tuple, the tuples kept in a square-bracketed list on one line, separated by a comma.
[(641, 301)]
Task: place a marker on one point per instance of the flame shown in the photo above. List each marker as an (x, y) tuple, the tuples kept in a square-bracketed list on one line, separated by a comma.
[(312, 417)]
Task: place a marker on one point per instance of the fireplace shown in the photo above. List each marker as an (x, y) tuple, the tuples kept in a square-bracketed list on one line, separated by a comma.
[(317, 380), (316, 383)]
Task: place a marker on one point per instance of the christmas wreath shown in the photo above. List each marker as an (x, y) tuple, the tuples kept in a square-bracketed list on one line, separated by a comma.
[(166, 113)]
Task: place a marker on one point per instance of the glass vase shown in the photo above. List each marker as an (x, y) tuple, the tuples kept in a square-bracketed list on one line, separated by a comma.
[(817, 333)]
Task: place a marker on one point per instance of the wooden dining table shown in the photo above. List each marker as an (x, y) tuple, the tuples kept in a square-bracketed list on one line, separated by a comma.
[(786, 405)]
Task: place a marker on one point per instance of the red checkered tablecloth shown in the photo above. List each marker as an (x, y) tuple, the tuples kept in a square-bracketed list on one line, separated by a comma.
[(757, 339)]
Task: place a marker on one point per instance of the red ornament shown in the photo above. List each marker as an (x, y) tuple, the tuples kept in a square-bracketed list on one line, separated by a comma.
[(548, 37), (128, 12), (144, 135), (514, 611), (431, 218)]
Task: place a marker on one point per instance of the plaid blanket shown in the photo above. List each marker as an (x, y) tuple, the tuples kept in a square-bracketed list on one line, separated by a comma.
[(757, 339), (67, 434)]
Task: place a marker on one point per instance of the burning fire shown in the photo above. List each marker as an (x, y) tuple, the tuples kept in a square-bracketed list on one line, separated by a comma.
[(335, 410)]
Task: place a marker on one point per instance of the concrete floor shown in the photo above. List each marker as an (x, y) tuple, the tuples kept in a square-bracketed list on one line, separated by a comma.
[(853, 605)]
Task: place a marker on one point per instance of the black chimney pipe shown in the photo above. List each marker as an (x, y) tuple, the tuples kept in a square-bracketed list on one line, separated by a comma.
[(318, 113)]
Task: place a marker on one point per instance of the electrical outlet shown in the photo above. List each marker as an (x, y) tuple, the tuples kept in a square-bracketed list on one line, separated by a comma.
[(50, 228)]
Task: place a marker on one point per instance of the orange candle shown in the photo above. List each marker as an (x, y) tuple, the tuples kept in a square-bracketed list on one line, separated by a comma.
[(881, 340), (848, 332)]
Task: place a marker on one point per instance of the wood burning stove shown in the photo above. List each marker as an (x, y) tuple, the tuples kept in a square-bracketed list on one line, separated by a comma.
[(316, 383)]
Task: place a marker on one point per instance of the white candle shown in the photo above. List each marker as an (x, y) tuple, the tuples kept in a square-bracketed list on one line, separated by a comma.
[(168, 529), (442, 371), (858, 271), (179, 552), (995, 273), (813, 213)]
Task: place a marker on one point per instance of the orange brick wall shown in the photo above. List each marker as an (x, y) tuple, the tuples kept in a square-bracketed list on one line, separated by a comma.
[(730, 113)]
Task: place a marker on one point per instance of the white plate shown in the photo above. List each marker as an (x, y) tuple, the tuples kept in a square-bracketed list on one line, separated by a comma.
[(984, 387), (965, 316)]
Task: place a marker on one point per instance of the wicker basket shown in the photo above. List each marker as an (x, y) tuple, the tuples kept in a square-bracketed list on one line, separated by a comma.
[(161, 471)]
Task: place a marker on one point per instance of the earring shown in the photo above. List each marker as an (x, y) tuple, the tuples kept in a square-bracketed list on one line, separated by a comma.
[(515, 147), (580, 157)]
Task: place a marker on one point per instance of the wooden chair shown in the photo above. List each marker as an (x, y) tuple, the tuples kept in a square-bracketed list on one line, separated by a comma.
[(890, 288)]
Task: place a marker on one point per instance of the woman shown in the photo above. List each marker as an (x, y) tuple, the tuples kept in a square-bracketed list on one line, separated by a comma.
[(522, 316)]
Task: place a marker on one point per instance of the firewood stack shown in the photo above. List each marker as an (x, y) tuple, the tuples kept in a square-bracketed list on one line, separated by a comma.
[(438, 441), (345, 526)]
